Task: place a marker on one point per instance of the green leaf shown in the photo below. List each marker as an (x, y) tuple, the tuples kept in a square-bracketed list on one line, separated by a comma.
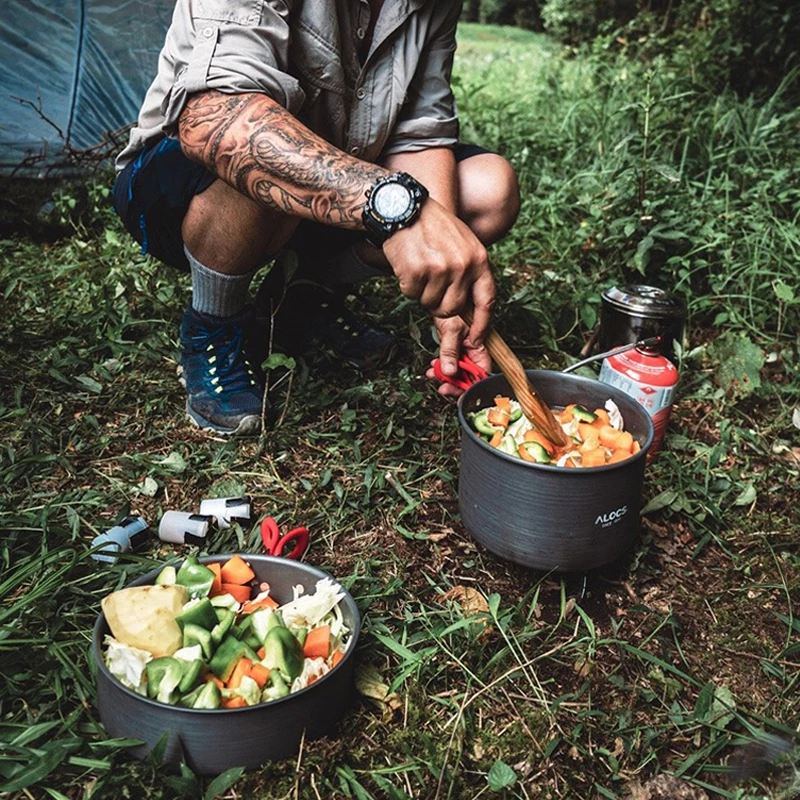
[(501, 776), (747, 496), (90, 383), (784, 292), (174, 462), (276, 360), (223, 782), (662, 500)]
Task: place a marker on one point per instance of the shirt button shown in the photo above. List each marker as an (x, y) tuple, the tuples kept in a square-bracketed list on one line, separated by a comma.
[(361, 93), (354, 151), (208, 32), (361, 33)]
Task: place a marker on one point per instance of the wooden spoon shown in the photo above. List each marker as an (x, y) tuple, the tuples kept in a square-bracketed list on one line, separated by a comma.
[(532, 406)]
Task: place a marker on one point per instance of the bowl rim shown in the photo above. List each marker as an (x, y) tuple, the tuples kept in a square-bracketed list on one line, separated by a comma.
[(553, 468), (149, 578)]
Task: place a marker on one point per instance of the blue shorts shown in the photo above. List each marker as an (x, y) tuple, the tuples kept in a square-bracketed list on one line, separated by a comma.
[(152, 194)]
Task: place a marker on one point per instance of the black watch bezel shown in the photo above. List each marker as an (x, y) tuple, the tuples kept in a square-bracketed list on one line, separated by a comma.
[(379, 228)]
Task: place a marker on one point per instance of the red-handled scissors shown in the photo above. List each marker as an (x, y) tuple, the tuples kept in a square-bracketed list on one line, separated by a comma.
[(275, 543), (468, 373)]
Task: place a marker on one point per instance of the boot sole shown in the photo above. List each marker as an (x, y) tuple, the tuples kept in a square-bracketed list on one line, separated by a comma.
[(248, 426)]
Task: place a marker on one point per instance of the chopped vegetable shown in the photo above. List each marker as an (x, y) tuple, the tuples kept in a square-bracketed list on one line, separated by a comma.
[(284, 653), (596, 437), (144, 617), (196, 577), (236, 571), (126, 663), (229, 650), (318, 642)]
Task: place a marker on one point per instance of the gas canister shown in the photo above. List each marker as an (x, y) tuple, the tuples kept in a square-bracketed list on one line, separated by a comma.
[(650, 379)]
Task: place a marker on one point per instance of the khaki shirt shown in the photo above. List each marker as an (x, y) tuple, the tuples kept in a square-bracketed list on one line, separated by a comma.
[(304, 54)]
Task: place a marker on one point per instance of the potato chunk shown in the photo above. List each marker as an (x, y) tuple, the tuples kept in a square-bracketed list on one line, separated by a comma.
[(144, 617)]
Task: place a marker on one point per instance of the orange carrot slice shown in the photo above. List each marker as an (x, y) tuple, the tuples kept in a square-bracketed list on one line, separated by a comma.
[(594, 458), (337, 656), (503, 402), (602, 418), (236, 570), (625, 442), (608, 437), (318, 642), (498, 417), (234, 702), (241, 593), (216, 587), (259, 602), (497, 437), (618, 455), (260, 674), (242, 668)]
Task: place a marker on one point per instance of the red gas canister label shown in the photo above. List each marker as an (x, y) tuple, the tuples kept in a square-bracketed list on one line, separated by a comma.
[(650, 379)]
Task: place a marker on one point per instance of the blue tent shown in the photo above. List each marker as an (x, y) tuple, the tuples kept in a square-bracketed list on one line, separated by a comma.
[(73, 74)]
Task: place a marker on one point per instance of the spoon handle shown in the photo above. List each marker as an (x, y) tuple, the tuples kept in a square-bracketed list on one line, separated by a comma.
[(532, 407)]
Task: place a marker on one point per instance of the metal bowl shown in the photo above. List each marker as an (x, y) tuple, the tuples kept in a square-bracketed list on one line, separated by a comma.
[(547, 517), (211, 741)]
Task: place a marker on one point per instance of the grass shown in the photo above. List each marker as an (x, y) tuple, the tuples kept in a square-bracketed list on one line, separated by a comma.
[(476, 678)]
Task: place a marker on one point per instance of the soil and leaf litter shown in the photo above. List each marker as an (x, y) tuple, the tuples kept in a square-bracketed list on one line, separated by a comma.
[(665, 675)]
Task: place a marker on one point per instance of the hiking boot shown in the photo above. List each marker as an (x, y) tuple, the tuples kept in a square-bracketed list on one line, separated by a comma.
[(306, 311), (224, 389)]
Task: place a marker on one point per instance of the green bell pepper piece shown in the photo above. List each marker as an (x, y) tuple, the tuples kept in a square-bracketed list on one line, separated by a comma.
[(227, 656), (194, 634), (191, 674), (277, 687), (284, 653), (163, 678), (198, 612), (209, 697), (226, 619), (196, 577)]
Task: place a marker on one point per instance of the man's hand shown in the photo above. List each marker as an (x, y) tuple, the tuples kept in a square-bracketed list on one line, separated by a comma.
[(454, 343), (439, 261)]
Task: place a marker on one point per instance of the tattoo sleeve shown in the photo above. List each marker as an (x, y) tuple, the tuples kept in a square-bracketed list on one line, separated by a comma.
[(255, 145)]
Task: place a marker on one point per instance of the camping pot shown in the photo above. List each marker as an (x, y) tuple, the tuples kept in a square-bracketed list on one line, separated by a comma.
[(543, 516), (635, 312), (211, 741)]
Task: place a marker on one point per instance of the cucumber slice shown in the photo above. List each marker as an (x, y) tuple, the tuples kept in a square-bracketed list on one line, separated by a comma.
[(540, 455), (583, 415)]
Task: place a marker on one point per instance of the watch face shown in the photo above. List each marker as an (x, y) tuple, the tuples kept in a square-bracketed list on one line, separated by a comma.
[(392, 201)]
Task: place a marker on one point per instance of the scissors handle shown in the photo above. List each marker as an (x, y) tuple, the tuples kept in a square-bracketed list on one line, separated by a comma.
[(275, 544), (468, 373)]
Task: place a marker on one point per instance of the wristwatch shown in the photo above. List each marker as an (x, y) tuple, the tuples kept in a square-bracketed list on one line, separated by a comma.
[(393, 203)]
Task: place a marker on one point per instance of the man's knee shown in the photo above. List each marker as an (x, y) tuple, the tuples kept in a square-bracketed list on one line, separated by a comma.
[(489, 196), (228, 230)]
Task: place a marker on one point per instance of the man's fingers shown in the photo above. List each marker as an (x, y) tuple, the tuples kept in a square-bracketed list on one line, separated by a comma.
[(450, 337), (483, 297)]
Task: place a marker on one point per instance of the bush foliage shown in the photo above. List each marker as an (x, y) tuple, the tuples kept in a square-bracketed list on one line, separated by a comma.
[(746, 45)]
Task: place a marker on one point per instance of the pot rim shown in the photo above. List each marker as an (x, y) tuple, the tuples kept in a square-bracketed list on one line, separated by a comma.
[(614, 394), (149, 579)]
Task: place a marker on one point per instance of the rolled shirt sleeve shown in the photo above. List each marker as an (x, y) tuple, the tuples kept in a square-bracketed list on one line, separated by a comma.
[(234, 46), (428, 117)]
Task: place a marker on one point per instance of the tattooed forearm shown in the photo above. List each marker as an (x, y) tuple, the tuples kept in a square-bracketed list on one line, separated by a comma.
[(256, 146)]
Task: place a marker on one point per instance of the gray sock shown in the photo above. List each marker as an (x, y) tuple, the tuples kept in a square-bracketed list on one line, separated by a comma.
[(215, 293)]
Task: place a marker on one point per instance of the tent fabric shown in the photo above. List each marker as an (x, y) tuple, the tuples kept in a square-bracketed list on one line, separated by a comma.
[(73, 74)]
